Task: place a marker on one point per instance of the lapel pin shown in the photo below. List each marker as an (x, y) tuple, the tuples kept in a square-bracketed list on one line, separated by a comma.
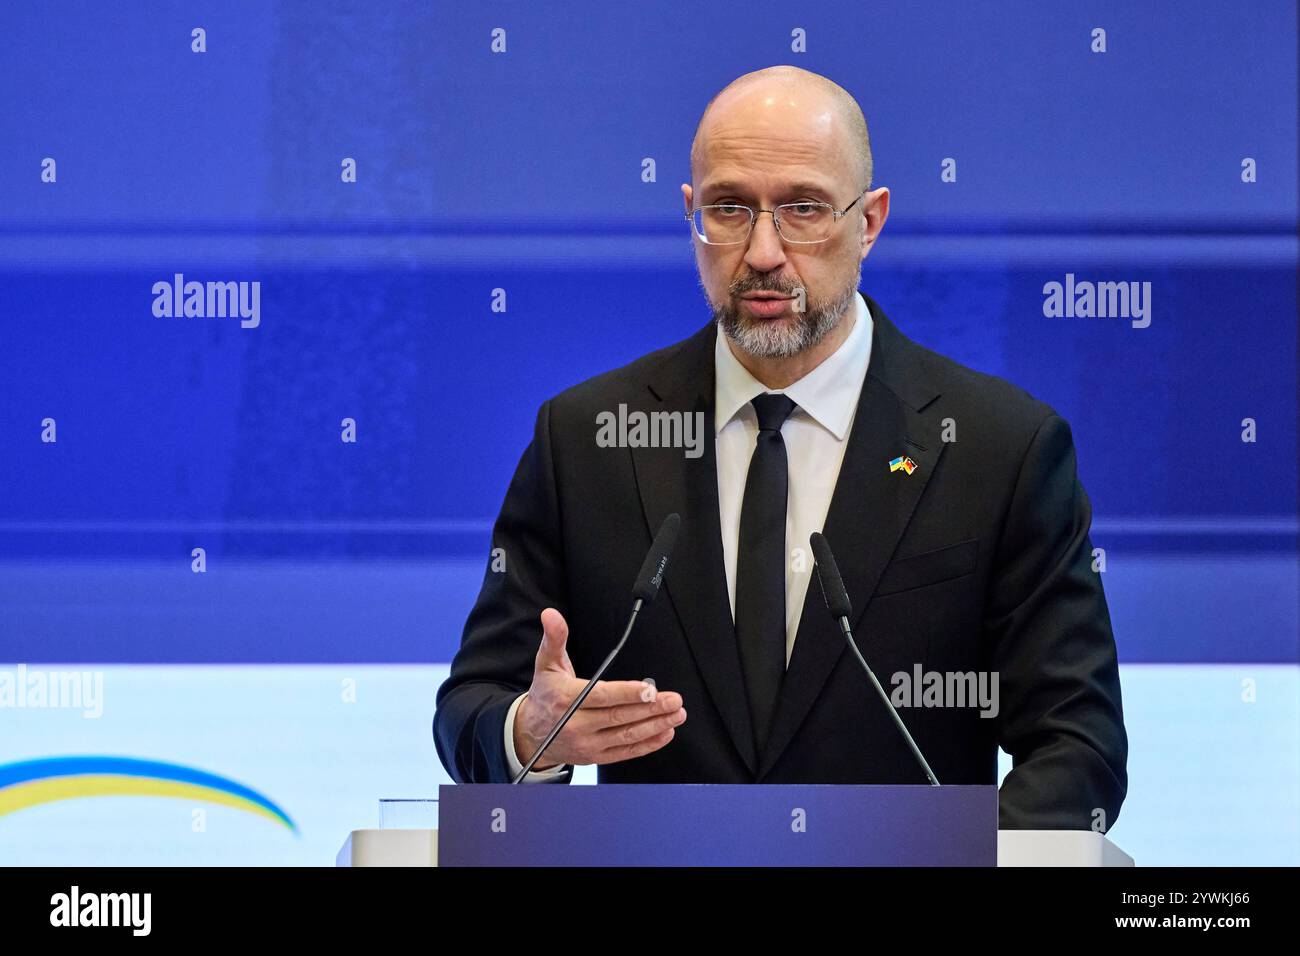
[(904, 463)]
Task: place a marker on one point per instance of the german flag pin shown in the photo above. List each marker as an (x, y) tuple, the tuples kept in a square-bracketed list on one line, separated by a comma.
[(902, 463)]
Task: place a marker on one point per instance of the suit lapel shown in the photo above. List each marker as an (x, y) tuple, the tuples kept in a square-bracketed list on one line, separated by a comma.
[(696, 581), (869, 511)]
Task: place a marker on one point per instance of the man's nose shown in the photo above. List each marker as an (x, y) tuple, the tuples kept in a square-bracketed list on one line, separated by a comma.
[(766, 250)]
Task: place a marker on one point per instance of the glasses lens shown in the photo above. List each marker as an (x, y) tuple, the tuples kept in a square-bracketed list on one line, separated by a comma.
[(723, 224), (805, 221)]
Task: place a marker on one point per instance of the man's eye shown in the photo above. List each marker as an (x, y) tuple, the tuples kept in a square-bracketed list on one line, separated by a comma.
[(728, 209), (804, 208)]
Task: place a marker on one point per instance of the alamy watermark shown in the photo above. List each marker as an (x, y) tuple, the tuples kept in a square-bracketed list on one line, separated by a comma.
[(921, 688), (208, 300), (129, 910), (26, 687), (638, 429), (1102, 300)]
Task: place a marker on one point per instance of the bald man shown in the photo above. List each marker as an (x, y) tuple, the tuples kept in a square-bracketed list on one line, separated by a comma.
[(968, 563)]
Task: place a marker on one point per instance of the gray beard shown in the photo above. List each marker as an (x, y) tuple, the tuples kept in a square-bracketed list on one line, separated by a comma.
[(764, 340)]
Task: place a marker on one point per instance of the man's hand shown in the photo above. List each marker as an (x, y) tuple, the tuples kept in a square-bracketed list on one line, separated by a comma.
[(619, 719)]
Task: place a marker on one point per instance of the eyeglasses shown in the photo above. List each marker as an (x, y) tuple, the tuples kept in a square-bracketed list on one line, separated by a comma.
[(725, 224)]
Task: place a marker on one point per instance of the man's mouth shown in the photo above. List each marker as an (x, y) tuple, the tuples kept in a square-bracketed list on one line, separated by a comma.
[(766, 304)]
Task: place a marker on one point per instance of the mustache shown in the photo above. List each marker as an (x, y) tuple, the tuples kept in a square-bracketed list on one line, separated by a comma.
[(746, 286)]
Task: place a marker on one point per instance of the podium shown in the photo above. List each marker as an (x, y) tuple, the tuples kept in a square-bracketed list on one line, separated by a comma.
[(723, 825)]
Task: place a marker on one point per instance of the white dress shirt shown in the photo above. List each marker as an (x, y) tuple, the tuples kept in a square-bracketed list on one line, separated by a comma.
[(815, 436)]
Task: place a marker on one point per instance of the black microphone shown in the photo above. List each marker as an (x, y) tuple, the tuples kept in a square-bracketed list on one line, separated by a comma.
[(644, 591), (647, 584), (837, 602)]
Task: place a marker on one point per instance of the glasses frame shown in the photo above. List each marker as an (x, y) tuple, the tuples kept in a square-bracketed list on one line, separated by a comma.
[(776, 219)]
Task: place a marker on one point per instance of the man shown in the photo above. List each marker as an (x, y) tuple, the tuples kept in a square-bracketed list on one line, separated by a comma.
[(968, 558)]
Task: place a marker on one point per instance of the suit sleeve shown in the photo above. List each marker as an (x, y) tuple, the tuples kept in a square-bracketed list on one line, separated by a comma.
[(494, 664), (1060, 718)]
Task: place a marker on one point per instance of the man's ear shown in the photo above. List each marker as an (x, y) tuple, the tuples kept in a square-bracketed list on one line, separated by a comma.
[(687, 195), (874, 213)]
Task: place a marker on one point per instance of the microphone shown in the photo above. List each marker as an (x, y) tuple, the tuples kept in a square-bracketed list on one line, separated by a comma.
[(837, 602), (647, 584), (644, 591)]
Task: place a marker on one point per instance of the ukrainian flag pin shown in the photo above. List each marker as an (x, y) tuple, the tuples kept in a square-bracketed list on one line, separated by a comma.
[(904, 463)]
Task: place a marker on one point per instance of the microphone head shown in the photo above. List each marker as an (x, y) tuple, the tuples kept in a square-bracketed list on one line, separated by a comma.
[(656, 560), (828, 574)]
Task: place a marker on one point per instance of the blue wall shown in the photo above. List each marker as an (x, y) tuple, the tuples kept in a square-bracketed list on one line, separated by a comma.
[(481, 170)]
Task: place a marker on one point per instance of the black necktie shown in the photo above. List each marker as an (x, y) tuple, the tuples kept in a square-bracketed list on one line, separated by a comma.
[(760, 566)]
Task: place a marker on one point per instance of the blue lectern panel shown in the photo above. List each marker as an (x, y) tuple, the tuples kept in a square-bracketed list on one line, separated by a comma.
[(717, 825)]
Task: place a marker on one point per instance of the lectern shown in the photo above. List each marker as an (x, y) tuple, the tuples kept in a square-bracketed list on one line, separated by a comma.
[(717, 825), (722, 825)]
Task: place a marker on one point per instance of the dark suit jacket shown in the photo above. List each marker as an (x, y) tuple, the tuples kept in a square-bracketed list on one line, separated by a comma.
[(977, 561)]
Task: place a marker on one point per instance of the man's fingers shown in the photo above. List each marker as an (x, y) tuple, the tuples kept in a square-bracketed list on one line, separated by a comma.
[(637, 729), (612, 693), (589, 722), (607, 717), (626, 735), (640, 749)]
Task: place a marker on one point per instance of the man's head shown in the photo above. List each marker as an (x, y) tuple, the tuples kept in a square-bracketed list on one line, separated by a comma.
[(784, 135)]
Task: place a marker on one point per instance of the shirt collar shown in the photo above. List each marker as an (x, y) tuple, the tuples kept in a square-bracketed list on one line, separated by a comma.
[(828, 394)]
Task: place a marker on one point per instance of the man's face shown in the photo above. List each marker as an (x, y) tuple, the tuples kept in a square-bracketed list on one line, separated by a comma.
[(762, 149)]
